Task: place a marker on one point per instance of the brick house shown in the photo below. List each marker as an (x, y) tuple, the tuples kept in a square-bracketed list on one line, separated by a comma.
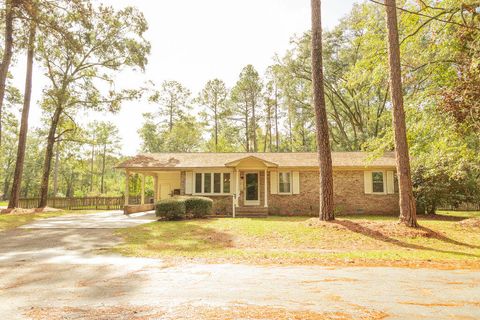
[(269, 183)]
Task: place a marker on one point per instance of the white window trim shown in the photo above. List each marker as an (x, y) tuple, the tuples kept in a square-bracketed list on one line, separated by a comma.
[(195, 193), (291, 183), (384, 175)]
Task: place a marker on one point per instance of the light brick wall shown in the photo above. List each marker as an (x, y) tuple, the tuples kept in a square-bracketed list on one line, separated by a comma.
[(349, 197)]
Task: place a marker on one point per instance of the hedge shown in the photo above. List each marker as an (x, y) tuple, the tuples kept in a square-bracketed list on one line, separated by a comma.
[(198, 207), (180, 208), (171, 209)]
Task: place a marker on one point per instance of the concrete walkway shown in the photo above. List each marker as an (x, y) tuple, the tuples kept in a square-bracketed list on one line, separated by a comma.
[(48, 270), (101, 220)]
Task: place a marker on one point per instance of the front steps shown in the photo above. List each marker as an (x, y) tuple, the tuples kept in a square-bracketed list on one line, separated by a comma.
[(246, 212), (251, 212)]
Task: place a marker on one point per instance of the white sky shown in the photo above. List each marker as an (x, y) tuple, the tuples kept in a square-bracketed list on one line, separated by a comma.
[(194, 41)]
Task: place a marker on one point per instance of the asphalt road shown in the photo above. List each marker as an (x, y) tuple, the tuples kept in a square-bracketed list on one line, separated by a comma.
[(50, 269)]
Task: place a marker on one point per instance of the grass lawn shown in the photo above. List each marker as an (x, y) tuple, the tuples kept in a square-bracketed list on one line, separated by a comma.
[(10, 221), (442, 242)]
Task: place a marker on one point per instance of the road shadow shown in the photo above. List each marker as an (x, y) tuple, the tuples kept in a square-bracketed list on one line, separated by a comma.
[(377, 235)]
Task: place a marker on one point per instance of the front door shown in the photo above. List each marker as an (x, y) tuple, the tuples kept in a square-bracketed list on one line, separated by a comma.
[(252, 189)]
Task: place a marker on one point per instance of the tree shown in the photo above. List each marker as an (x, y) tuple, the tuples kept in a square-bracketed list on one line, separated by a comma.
[(22, 139), (8, 156), (246, 95), (214, 98), (273, 101), (10, 7), (100, 42), (408, 214), (108, 140), (323, 140), (173, 99), (185, 136)]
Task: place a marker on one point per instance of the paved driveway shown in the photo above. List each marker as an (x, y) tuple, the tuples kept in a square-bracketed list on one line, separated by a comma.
[(51, 269)]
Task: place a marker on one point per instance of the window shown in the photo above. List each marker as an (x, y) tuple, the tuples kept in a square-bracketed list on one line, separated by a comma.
[(207, 183), (198, 183), (284, 182), (377, 180), (212, 183), (217, 182), (226, 183)]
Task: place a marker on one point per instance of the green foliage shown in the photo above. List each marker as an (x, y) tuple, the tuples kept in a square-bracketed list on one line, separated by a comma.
[(171, 209), (185, 136), (180, 208), (216, 112), (198, 207), (173, 100), (246, 96)]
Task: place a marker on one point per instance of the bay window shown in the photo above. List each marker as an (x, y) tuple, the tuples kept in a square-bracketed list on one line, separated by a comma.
[(212, 183)]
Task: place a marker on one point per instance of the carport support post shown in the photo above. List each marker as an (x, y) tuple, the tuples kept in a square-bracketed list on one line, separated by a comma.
[(127, 187), (155, 187), (266, 191), (142, 196)]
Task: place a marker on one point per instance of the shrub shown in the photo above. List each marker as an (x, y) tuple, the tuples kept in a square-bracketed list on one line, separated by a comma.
[(198, 207), (171, 209)]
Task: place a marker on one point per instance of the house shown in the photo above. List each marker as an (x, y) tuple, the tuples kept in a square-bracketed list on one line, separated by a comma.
[(269, 183)]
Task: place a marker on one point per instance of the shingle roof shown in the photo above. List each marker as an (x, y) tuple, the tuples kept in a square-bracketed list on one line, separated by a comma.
[(213, 160)]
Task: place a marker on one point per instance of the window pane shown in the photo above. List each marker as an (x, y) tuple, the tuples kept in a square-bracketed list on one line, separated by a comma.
[(217, 182), (207, 185), (198, 183), (377, 178), (226, 183), (284, 179)]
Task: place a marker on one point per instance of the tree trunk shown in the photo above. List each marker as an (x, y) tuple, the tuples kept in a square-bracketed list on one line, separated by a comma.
[(48, 158), (170, 120), (104, 155), (277, 135), (7, 55), (92, 160), (22, 137), (55, 170), (408, 214), (247, 133), (216, 125), (254, 127), (323, 142), (6, 186)]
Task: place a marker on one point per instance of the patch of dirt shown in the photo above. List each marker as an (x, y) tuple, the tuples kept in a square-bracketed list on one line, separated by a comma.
[(25, 280), (98, 313), (443, 304), (29, 211), (472, 264), (470, 223), (373, 228), (199, 313)]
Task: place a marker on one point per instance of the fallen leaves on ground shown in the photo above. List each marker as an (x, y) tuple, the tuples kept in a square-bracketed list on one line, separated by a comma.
[(470, 223), (373, 228), (29, 211), (245, 312)]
